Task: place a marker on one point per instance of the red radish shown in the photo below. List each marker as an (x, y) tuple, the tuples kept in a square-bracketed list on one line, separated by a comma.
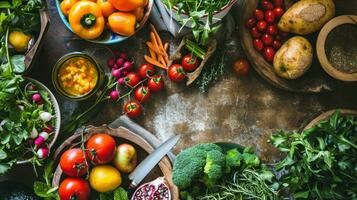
[(121, 81), (267, 39), (43, 153), (37, 98), (116, 73), (278, 12), (114, 95), (278, 3), (259, 14), (261, 26), (251, 22), (255, 32), (258, 44), (269, 54), (272, 30), (123, 55), (276, 44), (115, 66), (120, 62), (267, 5), (270, 16), (128, 65), (111, 62), (41, 139), (48, 128)]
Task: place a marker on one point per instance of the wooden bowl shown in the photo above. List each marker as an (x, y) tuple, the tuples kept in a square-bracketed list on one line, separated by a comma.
[(315, 80), (122, 135), (321, 44), (328, 114), (108, 37)]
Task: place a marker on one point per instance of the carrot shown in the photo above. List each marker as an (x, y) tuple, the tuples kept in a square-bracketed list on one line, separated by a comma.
[(154, 48), (158, 39), (166, 46), (152, 54), (154, 62)]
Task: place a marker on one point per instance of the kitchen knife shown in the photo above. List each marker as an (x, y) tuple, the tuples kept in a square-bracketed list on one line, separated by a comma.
[(144, 168)]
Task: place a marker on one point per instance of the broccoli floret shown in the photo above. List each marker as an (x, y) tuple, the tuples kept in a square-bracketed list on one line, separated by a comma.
[(190, 164), (233, 159), (214, 164)]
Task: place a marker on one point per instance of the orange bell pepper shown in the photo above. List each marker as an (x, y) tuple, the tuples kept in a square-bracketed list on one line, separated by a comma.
[(139, 13), (86, 19), (127, 5), (106, 7), (66, 5), (122, 23)]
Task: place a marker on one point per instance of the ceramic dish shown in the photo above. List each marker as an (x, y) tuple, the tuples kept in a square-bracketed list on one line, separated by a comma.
[(108, 37), (57, 115), (62, 61), (327, 115), (122, 135), (321, 47)]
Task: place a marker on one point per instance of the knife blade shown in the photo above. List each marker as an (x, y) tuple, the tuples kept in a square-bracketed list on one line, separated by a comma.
[(144, 168)]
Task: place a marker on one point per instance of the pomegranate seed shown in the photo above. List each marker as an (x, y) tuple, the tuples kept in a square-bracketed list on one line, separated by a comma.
[(267, 39), (255, 32), (272, 30), (269, 16), (267, 5), (262, 25), (278, 12), (259, 14), (276, 44), (269, 53)]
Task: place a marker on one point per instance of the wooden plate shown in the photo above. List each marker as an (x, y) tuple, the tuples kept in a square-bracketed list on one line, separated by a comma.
[(328, 114), (315, 80), (122, 135)]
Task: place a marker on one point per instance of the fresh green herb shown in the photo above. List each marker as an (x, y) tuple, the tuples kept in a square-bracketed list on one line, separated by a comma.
[(196, 10), (321, 161)]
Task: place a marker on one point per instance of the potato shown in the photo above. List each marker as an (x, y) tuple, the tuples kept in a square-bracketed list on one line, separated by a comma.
[(307, 16), (294, 58)]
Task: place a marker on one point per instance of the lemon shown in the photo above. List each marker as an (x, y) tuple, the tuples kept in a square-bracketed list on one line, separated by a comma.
[(19, 40), (104, 178)]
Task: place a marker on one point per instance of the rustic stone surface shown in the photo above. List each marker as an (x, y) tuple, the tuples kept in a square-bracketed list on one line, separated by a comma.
[(241, 110)]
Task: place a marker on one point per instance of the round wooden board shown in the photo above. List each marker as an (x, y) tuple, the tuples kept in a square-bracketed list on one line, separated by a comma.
[(328, 114), (122, 135), (316, 80)]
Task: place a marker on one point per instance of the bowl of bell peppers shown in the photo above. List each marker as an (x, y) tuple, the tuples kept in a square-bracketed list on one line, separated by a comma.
[(104, 21)]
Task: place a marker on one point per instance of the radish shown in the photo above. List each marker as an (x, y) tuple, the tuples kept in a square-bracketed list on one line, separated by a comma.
[(43, 152), (116, 73), (111, 62), (34, 133), (48, 128), (41, 139), (37, 98), (128, 65), (122, 55), (114, 95), (121, 81), (120, 62), (45, 116)]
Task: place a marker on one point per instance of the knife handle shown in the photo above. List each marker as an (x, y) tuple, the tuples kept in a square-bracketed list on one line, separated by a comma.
[(131, 189)]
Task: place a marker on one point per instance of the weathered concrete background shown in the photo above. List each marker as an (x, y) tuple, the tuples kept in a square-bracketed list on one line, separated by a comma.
[(241, 110)]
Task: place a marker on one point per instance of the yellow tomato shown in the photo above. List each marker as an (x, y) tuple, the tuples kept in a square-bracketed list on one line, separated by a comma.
[(104, 178), (19, 40)]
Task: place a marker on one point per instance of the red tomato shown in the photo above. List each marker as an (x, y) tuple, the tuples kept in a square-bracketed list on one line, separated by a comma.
[(101, 148), (132, 79), (132, 109), (259, 14), (156, 83), (189, 63), (255, 32), (278, 3), (258, 44), (251, 22), (146, 70), (276, 44), (267, 5), (73, 163), (74, 188), (142, 94), (241, 67), (269, 54), (176, 73), (278, 12), (267, 39), (270, 16), (261, 26), (272, 30)]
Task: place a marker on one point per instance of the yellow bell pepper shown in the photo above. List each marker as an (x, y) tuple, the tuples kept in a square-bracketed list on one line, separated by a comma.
[(86, 19), (127, 5), (122, 23), (66, 5)]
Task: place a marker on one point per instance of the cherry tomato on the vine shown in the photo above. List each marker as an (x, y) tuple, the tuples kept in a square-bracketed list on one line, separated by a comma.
[(189, 63), (132, 109), (176, 73), (74, 188), (132, 79), (101, 148), (73, 162), (142, 94), (146, 70), (156, 83)]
